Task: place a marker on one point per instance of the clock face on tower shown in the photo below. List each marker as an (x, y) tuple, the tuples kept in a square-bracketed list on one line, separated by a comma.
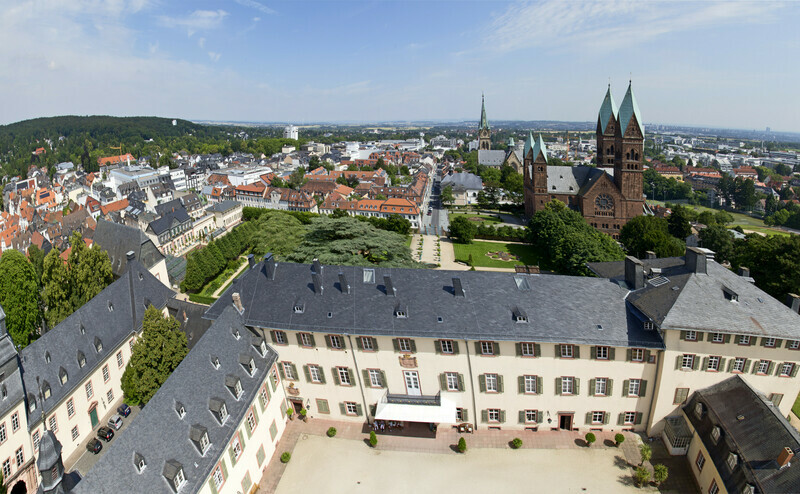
[(604, 202)]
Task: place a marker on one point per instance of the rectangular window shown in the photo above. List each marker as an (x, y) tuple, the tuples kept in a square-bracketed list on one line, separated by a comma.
[(20, 457), (717, 338), (452, 381), (738, 364), (600, 386), (120, 360), (714, 488), (375, 378), (531, 416), (322, 406), (3, 435), (687, 363), (404, 344), (793, 344), (344, 376), (110, 396), (460, 415), (89, 390), (763, 366), (336, 341), (786, 369), (251, 421), (634, 385), (263, 397), (700, 461), (351, 408), (744, 340), (630, 418), (366, 344), (15, 422), (75, 433), (691, 336), (491, 383), (567, 385), (713, 363), (315, 372), (279, 337), (288, 371), (218, 478), (6, 469), (530, 385), (597, 417), (769, 342), (105, 373), (487, 348), (637, 354), (236, 445), (446, 346), (130, 344), (776, 399), (305, 340), (493, 414), (527, 349), (601, 353), (566, 351)]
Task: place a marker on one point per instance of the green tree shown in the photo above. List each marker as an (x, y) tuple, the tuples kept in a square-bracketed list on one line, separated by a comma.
[(166, 160), (314, 162), (645, 453), (19, 297), (641, 476), (719, 239), (660, 473), (723, 217), (462, 229), (56, 289), (447, 196), (678, 223), (644, 233), (155, 355), (36, 256), (89, 270), (279, 233)]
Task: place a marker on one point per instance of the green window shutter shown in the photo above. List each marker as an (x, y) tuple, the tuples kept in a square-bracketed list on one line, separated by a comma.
[(224, 468), (299, 340), (683, 335), (522, 416), (629, 354), (770, 368), (577, 386), (521, 384), (643, 388), (593, 352), (794, 370), (738, 339), (413, 346), (499, 383), (482, 383), (730, 364), (322, 375), (537, 350), (335, 374), (328, 341), (477, 348), (778, 343), (626, 385), (294, 370), (539, 388), (274, 340), (280, 371), (484, 416), (455, 349), (747, 365), (232, 455), (647, 356), (558, 350), (700, 336), (212, 486), (396, 345), (705, 363), (518, 349), (307, 373), (726, 338), (437, 346), (255, 414), (722, 362), (359, 409), (342, 408), (375, 344), (443, 381), (621, 419), (313, 342), (612, 353), (753, 340), (588, 418), (496, 348), (539, 417), (606, 417), (591, 385), (365, 373), (460, 382), (502, 416), (383, 379), (465, 414), (352, 376), (678, 361), (359, 345), (576, 351), (558, 385), (695, 363), (637, 419), (609, 387)]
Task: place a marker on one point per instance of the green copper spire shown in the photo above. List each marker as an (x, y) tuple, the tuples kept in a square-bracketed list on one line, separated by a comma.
[(607, 109), (528, 145), (538, 147), (484, 121), (628, 109)]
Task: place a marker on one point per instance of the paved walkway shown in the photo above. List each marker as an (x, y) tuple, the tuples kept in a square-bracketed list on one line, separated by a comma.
[(679, 481), (231, 277), (449, 257)]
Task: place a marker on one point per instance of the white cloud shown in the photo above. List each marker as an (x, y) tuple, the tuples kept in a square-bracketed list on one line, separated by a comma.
[(214, 56), (152, 47), (256, 19), (255, 5), (199, 20), (201, 42)]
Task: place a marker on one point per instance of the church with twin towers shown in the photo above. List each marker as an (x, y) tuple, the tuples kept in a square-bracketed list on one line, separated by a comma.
[(608, 194)]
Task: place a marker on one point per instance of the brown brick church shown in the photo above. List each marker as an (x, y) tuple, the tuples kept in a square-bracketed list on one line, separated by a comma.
[(608, 195)]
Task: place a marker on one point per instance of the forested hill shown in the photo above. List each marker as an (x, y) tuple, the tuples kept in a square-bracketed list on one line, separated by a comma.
[(99, 127)]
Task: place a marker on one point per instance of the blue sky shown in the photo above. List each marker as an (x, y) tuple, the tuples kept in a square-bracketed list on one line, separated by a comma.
[(726, 64)]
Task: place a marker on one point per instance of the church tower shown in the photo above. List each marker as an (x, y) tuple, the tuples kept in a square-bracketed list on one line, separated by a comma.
[(50, 465), (535, 174), (484, 132), (606, 127), (628, 153)]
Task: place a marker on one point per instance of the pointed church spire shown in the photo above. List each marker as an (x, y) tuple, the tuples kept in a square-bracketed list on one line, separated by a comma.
[(484, 121), (607, 109), (629, 108), (539, 147), (528, 145)]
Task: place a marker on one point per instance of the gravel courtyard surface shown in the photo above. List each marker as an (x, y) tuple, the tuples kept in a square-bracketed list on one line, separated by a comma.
[(321, 464)]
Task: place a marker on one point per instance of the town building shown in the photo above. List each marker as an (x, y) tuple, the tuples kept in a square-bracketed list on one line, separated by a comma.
[(290, 132), (466, 187)]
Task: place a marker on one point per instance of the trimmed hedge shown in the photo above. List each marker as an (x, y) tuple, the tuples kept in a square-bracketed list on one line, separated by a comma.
[(201, 299)]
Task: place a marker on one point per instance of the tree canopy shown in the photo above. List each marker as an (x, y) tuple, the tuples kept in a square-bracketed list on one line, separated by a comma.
[(277, 232), (19, 297), (462, 229), (644, 233)]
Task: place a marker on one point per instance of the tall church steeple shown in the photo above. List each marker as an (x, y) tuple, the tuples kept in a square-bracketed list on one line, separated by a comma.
[(629, 148), (606, 126), (484, 131)]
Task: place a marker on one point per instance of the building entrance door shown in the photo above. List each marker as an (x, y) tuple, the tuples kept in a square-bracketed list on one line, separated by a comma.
[(412, 383), (93, 417), (565, 422)]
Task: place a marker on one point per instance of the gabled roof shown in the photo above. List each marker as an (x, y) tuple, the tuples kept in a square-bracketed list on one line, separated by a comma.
[(164, 223), (628, 109), (117, 240)]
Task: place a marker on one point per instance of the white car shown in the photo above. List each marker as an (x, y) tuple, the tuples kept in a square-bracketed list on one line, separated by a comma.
[(115, 422)]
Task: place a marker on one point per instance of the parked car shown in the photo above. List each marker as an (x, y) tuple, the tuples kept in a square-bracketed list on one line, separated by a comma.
[(124, 410), (115, 421), (94, 446), (105, 433)]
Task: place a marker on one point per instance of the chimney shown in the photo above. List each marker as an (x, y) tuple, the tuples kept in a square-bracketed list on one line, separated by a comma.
[(634, 273), (317, 267), (785, 457), (649, 255), (130, 255), (387, 284), (695, 260), (344, 286), (793, 301), (270, 266), (317, 280), (458, 290), (251, 261), (237, 302), (744, 272)]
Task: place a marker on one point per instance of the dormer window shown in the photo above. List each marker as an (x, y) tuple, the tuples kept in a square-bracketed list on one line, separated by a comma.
[(730, 294), (4, 391), (47, 357), (173, 472), (180, 410), (519, 315), (62, 375), (199, 436), (46, 390), (223, 413), (110, 306), (299, 308), (81, 359), (698, 410), (733, 459), (83, 330), (649, 326), (248, 363), (138, 461), (401, 313), (215, 362), (235, 333), (715, 432), (234, 385), (263, 347)]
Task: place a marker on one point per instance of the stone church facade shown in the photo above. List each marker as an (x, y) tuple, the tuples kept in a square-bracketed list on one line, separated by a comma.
[(607, 195)]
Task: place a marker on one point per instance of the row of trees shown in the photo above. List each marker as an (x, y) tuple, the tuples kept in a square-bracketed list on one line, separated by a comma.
[(463, 230), (203, 264)]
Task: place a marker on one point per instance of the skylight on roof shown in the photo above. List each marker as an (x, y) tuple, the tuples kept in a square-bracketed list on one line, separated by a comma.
[(369, 276), (522, 283), (658, 281)]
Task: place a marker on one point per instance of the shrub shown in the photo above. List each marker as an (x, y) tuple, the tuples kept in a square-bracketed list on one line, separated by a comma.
[(331, 431), (590, 438), (641, 476), (660, 473), (303, 412), (285, 457), (646, 453), (373, 439), (462, 445), (619, 438), (516, 443)]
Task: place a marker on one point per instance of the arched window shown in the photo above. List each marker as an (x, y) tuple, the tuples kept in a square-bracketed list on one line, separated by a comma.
[(628, 155)]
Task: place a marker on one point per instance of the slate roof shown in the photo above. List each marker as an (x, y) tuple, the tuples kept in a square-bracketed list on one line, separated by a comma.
[(164, 223), (463, 181), (117, 240), (607, 109), (12, 382), (223, 206), (491, 157), (190, 317), (561, 309), (161, 436), (628, 109), (110, 317), (752, 428), (572, 179)]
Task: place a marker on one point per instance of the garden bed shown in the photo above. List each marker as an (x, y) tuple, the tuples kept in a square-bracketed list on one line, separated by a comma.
[(490, 254)]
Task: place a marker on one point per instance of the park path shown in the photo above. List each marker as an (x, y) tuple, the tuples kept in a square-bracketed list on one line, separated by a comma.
[(231, 277), (449, 257)]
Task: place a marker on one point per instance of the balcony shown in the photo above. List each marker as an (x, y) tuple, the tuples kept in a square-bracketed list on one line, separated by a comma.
[(423, 409), (676, 435)]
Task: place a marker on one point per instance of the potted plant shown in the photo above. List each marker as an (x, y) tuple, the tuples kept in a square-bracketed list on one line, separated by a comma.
[(516, 443), (462, 445), (590, 438), (285, 457), (331, 431), (641, 476), (290, 413), (619, 439), (373, 439), (304, 414), (660, 473), (646, 453)]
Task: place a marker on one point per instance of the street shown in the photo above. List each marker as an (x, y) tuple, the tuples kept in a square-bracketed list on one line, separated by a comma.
[(435, 223)]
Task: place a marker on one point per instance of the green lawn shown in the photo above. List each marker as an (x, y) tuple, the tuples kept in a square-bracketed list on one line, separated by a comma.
[(478, 249), (487, 219), (743, 220), (796, 406)]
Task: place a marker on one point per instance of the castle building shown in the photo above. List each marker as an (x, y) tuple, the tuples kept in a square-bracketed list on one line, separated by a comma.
[(607, 195)]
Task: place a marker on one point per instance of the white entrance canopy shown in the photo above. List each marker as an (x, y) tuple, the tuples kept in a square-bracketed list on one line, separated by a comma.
[(444, 413)]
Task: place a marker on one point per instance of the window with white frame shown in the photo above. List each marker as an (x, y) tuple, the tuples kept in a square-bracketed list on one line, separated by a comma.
[(6, 469), (404, 344), (566, 351), (204, 442), (105, 374), (351, 408), (366, 344), (336, 341), (491, 383), (238, 388), (251, 421), (305, 339), (487, 348), (527, 349), (787, 368), (713, 363), (769, 342), (375, 378), (218, 478), (15, 422), (597, 417), (601, 353), (738, 364), (687, 362), (700, 461), (648, 325), (223, 413), (446, 346), (459, 414), (634, 386), (344, 376), (110, 396), (714, 488), (263, 397), (600, 386), (763, 366), (452, 381), (793, 344), (237, 448), (20, 457), (75, 433), (531, 416), (744, 339), (180, 479), (315, 373), (493, 414), (280, 337), (691, 336), (530, 384), (89, 390), (717, 338), (567, 385), (630, 417), (715, 433), (3, 435), (36, 441), (288, 371), (637, 354), (120, 360)]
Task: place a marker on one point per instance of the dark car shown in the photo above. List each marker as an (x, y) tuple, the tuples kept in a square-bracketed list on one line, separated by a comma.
[(124, 410), (105, 433), (94, 446)]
